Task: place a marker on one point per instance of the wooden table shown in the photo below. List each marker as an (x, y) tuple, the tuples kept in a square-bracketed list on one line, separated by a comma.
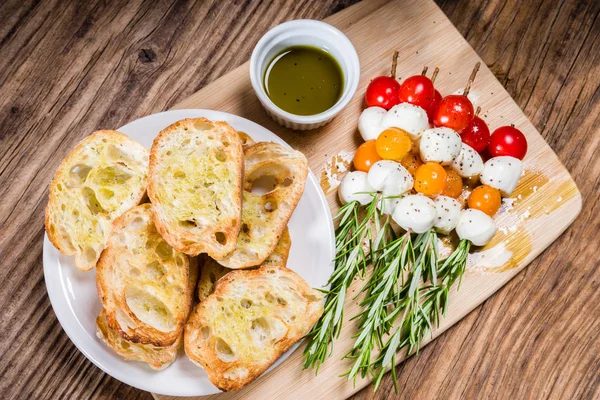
[(67, 68)]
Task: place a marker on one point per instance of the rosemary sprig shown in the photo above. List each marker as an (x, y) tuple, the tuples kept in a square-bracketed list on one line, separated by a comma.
[(422, 315), (381, 293), (354, 238)]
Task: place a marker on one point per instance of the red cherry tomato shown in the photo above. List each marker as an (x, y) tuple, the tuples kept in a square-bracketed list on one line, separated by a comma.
[(437, 98), (454, 112), (382, 92), (508, 141), (417, 90), (476, 134)]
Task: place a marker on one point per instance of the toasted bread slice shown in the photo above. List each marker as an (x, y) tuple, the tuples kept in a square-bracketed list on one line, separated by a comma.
[(195, 186), (265, 216), (253, 317), (145, 286), (157, 358), (211, 271), (100, 179)]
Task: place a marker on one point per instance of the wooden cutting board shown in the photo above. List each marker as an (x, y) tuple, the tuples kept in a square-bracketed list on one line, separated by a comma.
[(545, 203)]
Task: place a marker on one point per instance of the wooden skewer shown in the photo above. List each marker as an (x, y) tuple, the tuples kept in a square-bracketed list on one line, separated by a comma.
[(424, 70), (394, 64), (478, 111), (471, 79), (436, 71)]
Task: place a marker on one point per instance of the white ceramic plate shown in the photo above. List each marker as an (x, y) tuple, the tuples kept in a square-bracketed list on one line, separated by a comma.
[(75, 300)]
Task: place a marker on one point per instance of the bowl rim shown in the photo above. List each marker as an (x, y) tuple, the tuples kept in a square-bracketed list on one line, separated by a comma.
[(350, 86)]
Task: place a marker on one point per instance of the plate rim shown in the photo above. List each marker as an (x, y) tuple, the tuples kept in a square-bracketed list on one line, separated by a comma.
[(72, 326)]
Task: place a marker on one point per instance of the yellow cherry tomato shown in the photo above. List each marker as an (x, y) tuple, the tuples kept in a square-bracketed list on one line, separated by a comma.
[(430, 179), (485, 198), (412, 162), (365, 156), (393, 144), (454, 184)]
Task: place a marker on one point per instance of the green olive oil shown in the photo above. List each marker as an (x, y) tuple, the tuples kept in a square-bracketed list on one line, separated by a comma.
[(304, 80)]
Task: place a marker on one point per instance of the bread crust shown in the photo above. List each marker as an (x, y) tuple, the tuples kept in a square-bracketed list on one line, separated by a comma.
[(66, 191), (252, 318), (265, 216), (214, 143), (146, 288)]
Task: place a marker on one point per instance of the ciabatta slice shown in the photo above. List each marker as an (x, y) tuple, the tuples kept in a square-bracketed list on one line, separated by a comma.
[(195, 186), (100, 179), (146, 287), (252, 318), (211, 271), (265, 216), (157, 358)]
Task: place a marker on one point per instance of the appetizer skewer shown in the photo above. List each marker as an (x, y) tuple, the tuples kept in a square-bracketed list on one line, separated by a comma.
[(418, 148)]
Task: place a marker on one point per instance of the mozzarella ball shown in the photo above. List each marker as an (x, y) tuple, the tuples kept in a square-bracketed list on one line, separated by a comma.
[(415, 212), (475, 226), (502, 173), (440, 145), (369, 122), (448, 213), (410, 118), (390, 178), (388, 205), (353, 188), (468, 163)]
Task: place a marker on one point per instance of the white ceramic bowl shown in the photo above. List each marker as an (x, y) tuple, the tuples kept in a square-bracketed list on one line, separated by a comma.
[(311, 33)]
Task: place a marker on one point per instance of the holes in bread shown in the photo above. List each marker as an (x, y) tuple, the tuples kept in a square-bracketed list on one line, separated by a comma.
[(79, 173), (155, 270), (212, 277), (224, 352), (245, 228), (269, 297), (149, 309), (91, 201), (260, 331), (59, 187), (270, 205), (134, 271), (188, 224), (89, 254), (169, 152), (179, 175), (205, 332), (311, 297), (117, 153), (221, 238), (281, 301), (287, 182), (262, 185), (164, 251), (105, 195), (246, 303), (203, 125), (63, 207), (220, 155), (112, 175)]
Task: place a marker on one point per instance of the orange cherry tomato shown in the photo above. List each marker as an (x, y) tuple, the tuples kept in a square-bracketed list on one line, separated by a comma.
[(412, 162), (393, 144), (485, 198), (430, 179), (454, 184), (365, 156)]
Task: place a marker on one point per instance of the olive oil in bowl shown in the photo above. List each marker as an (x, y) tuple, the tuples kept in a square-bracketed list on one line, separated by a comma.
[(304, 80)]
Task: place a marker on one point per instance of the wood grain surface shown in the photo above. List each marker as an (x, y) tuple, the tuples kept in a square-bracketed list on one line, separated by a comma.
[(67, 68)]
